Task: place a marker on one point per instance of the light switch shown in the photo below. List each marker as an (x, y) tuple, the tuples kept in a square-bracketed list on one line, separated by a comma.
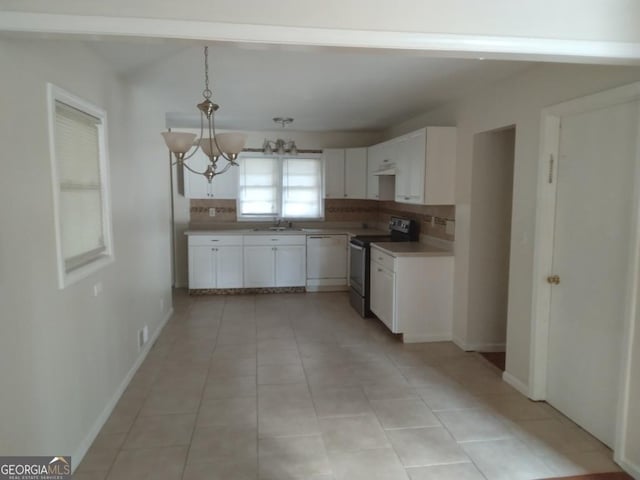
[(212, 212), (450, 228)]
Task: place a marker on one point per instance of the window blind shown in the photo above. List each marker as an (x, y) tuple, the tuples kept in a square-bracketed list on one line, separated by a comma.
[(302, 188), (259, 186), (77, 144)]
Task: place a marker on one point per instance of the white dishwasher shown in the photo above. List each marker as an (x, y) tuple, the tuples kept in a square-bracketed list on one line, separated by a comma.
[(326, 262)]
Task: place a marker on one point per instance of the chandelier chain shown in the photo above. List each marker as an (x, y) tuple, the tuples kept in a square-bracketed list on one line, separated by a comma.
[(206, 93)]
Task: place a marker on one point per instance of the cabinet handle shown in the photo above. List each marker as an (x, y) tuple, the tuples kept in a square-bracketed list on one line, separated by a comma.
[(379, 269), (215, 240), (275, 239)]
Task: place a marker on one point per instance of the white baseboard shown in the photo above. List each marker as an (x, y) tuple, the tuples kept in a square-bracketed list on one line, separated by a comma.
[(479, 347), (420, 338), (82, 449), (458, 341), (520, 386), (629, 467)]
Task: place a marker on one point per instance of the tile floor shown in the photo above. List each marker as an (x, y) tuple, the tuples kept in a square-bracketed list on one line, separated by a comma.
[(297, 386)]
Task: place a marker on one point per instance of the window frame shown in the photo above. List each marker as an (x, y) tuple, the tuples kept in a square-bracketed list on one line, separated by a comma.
[(67, 277), (280, 188)]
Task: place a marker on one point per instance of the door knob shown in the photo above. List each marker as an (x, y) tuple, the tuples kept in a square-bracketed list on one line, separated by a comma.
[(553, 279)]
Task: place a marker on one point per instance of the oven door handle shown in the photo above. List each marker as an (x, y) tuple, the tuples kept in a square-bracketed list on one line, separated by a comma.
[(356, 247)]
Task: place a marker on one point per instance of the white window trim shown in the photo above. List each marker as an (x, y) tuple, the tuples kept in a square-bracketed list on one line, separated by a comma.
[(271, 218), (65, 278)]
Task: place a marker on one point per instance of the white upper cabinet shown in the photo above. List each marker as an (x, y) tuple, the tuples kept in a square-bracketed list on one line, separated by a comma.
[(355, 173), (425, 166), (222, 186), (345, 172), (410, 166), (333, 172)]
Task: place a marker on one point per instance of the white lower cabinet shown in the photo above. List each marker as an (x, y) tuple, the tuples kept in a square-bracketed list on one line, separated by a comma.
[(215, 261), (274, 261), (413, 295)]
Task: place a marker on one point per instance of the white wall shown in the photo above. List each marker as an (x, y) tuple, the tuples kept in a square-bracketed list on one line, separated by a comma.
[(514, 101), (490, 237), (65, 353), (607, 20)]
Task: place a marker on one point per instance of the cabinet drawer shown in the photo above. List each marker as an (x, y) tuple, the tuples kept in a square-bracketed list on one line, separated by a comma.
[(217, 240), (275, 239), (383, 259)]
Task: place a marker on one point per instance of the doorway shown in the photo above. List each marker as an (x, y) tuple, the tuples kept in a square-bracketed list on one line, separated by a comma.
[(586, 260), (490, 240)]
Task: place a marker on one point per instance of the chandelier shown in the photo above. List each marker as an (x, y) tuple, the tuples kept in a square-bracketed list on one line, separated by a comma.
[(280, 146), (214, 146)]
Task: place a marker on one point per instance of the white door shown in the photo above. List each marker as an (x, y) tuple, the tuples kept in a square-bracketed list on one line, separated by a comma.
[(259, 268), (229, 268), (202, 267), (290, 264), (596, 171)]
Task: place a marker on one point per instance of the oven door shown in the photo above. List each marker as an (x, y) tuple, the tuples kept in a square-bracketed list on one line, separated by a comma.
[(358, 272)]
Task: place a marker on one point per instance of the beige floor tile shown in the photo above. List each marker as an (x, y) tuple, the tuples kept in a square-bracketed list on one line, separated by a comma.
[(160, 431), (234, 412), (222, 469), (233, 367), (236, 445), (388, 391), (345, 434), (404, 413), (517, 407), (118, 422), (341, 401), (379, 464), (449, 396), (332, 376), (564, 464), (475, 425), (547, 436), (149, 463), (97, 459), (283, 356), (229, 387), (506, 459), (284, 458), (172, 402), (281, 374), (109, 440), (456, 471), (99, 475), (288, 422), (425, 446), (425, 376)]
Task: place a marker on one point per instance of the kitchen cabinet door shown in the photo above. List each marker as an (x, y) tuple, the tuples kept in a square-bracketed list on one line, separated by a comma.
[(290, 266), (355, 173), (333, 172), (259, 266), (229, 267), (382, 294), (411, 152), (202, 260)]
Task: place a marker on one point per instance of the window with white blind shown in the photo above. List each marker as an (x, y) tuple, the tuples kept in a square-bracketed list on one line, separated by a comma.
[(79, 173), (284, 187)]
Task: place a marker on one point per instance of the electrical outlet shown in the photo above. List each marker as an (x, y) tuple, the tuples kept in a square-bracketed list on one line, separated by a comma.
[(143, 336), (97, 289), (212, 212)]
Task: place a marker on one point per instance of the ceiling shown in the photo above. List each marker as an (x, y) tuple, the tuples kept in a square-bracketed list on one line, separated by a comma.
[(322, 89)]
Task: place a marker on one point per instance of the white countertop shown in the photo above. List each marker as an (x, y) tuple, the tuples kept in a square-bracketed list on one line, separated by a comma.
[(411, 249), (304, 231)]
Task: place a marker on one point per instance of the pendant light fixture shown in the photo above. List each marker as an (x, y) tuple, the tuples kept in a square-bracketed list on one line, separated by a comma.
[(280, 146), (214, 146)]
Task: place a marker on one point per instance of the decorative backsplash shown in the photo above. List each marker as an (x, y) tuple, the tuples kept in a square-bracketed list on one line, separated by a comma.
[(432, 218)]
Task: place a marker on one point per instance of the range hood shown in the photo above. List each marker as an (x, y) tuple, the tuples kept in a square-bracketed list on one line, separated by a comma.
[(386, 170)]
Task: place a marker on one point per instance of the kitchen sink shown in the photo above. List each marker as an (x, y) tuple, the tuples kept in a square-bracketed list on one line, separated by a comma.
[(277, 229)]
